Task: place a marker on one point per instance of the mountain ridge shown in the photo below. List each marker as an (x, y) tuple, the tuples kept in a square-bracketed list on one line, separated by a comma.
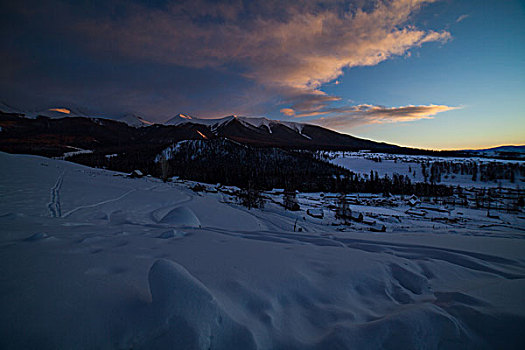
[(503, 148), (54, 131), (257, 131)]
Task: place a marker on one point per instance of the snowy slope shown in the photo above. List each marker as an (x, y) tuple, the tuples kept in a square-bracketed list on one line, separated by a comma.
[(407, 165), (516, 152), (268, 123), (517, 149), (53, 113), (4, 107), (63, 112), (178, 119), (92, 260), (256, 122), (134, 120)]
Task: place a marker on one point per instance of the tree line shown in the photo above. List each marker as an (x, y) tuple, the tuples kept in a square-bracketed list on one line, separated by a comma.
[(231, 163)]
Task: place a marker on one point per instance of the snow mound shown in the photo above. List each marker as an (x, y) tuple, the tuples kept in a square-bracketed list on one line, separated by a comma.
[(119, 217), (37, 237), (181, 216), (191, 316), (171, 234)]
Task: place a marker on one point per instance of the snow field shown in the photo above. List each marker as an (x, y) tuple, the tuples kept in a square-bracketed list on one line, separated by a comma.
[(406, 165), (222, 277)]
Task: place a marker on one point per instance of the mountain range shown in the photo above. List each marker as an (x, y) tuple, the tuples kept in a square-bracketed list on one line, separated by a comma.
[(55, 131), (498, 151), (59, 130)]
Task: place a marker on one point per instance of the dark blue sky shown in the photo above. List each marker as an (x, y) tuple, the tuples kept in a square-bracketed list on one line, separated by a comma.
[(435, 74)]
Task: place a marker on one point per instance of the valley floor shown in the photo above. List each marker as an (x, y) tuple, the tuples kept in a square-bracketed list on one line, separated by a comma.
[(93, 260)]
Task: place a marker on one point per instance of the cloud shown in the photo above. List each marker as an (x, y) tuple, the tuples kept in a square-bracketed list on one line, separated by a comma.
[(369, 114), (308, 100), (292, 47), (165, 53), (461, 18), (287, 111)]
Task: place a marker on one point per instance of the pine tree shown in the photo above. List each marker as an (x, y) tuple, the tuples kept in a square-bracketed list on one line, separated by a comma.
[(290, 201), (251, 198), (165, 167)]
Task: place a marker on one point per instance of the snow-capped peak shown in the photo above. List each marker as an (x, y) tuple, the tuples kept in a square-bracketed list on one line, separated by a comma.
[(4, 107), (255, 122), (179, 119), (184, 119), (268, 123), (54, 113), (134, 120), (60, 110)]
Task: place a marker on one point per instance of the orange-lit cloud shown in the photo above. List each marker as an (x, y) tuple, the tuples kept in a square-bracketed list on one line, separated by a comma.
[(287, 111), (291, 47), (369, 114)]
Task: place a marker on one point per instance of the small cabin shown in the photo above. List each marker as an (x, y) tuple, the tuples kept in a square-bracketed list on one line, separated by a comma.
[(135, 174), (316, 213)]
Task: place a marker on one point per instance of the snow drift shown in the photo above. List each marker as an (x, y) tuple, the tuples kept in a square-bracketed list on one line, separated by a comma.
[(191, 315), (97, 276), (180, 216)]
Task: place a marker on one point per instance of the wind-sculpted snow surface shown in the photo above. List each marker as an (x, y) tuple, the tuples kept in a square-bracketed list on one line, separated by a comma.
[(142, 264), (191, 315)]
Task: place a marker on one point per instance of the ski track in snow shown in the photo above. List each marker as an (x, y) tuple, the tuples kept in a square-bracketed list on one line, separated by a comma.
[(54, 205), (94, 205)]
